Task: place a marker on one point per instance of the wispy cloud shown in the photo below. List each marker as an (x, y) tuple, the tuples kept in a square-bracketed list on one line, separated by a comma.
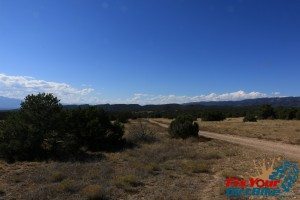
[(164, 99), (20, 86)]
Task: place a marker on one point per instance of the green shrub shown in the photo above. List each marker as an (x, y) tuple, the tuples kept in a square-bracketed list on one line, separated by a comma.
[(250, 118), (213, 116), (183, 127), (93, 128)]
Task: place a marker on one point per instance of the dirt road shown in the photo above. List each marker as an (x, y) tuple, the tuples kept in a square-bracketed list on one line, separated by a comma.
[(291, 151)]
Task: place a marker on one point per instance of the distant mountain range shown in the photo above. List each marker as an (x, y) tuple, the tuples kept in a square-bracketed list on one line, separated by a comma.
[(276, 102), (9, 103)]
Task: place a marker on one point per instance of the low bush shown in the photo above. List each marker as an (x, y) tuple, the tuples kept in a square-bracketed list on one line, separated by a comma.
[(183, 127)]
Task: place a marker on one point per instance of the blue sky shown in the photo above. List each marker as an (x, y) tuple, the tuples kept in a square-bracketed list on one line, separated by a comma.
[(158, 51)]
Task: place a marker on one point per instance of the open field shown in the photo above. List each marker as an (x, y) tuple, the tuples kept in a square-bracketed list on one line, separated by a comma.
[(287, 131), (289, 150), (157, 168)]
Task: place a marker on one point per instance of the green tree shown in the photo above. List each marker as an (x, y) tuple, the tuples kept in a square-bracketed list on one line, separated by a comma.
[(213, 116), (36, 131), (285, 113), (266, 112)]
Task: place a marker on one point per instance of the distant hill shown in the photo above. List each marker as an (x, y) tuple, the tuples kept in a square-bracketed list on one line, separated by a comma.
[(9, 103), (276, 102)]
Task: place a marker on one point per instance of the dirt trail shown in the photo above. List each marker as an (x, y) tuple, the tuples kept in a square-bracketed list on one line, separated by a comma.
[(291, 151)]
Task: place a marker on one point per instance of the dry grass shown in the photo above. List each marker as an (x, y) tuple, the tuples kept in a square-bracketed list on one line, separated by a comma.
[(165, 169), (57, 177), (128, 183), (140, 132), (277, 130), (68, 185), (94, 192)]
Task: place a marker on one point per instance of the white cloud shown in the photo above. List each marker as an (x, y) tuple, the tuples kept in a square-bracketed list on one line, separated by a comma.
[(20, 86), (164, 99)]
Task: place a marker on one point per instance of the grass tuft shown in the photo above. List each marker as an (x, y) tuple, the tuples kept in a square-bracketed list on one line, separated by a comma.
[(94, 192), (128, 182), (68, 185)]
